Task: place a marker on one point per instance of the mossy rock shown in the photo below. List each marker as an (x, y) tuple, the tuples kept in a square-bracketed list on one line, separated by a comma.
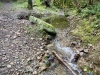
[(43, 25)]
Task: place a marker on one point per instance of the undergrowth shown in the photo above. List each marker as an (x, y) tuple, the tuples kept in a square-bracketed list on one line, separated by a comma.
[(0, 3), (86, 32), (18, 5), (88, 28)]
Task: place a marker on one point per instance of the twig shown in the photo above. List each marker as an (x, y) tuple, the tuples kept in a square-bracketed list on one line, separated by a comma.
[(65, 64)]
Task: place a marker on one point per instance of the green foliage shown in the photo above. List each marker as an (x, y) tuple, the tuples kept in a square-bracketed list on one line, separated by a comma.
[(0, 3), (91, 10), (85, 32), (21, 1), (37, 2), (18, 5)]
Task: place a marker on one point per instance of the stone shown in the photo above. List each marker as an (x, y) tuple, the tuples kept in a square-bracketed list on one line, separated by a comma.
[(28, 68), (50, 45), (38, 57), (40, 39), (86, 50), (23, 15), (47, 63), (81, 53), (35, 73), (73, 44), (9, 66)]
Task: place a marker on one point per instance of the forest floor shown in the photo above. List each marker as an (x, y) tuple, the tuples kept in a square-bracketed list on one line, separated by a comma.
[(17, 47), (22, 49)]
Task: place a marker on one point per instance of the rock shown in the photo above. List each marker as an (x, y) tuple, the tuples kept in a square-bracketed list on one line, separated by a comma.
[(38, 57), (32, 38), (40, 39), (42, 66), (23, 15), (76, 57), (73, 44), (9, 66), (81, 53), (38, 53), (49, 45), (86, 51), (90, 45), (49, 37), (29, 69), (35, 73), (51, 59), (47, 63)]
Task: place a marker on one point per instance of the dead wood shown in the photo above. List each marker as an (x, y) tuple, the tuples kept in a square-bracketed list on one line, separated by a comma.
[(62, 62)]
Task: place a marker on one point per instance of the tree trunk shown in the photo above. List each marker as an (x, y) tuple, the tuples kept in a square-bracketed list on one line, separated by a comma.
[(30, 4), (90, 2)]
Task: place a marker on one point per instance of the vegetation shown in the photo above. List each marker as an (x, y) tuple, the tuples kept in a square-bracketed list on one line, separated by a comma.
[(30, 4), (18, 5), (0, 3)]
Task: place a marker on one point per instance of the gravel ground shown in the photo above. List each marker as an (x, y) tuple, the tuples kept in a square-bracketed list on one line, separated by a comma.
[(22, 50), (17, 48)]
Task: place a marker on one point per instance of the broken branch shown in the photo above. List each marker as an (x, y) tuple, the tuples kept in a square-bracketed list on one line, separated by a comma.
[(65, 64)]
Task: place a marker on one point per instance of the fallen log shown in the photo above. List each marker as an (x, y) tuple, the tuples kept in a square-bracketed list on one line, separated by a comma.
[(43, 25), (65, 64)]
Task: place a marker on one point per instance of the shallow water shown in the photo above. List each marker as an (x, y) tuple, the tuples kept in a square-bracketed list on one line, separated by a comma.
[(58, 22), (61, 41)]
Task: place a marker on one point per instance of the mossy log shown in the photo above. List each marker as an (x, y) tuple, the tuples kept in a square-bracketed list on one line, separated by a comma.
[(48, 28)]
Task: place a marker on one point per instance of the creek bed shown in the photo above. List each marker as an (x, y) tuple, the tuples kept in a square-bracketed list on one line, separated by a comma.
[(61, 43)]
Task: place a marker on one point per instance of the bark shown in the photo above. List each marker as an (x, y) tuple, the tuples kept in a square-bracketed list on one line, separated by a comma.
[(90, 2), (30, 4)]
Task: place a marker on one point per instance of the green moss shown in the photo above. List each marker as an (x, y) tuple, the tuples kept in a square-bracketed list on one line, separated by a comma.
[(43, 25), (18, 5), (85, 31)]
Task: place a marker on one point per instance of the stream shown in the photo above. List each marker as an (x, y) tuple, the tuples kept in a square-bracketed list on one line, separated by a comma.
[(62, 41)]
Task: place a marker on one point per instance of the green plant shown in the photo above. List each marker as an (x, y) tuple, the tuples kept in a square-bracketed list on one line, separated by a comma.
[(85, 31), (0, 3), (18, 5)]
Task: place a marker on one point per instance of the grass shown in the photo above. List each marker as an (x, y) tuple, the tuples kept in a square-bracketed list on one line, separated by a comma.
[(18, 5), (88, 27), (85, 32)]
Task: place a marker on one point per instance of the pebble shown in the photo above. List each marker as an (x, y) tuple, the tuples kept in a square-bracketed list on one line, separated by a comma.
[(81, 53), (9, 66), (86, 50), (40, 39), (38, 57), (35, 73), (28, 68)]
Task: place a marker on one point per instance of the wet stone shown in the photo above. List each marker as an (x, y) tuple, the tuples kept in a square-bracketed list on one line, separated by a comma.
[(28, 68)]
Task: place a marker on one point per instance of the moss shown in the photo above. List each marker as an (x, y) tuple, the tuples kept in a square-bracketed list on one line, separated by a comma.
[(85, 31), (43, 25)]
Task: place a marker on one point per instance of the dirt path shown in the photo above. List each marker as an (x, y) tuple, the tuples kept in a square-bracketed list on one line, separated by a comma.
[(17, 47)]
